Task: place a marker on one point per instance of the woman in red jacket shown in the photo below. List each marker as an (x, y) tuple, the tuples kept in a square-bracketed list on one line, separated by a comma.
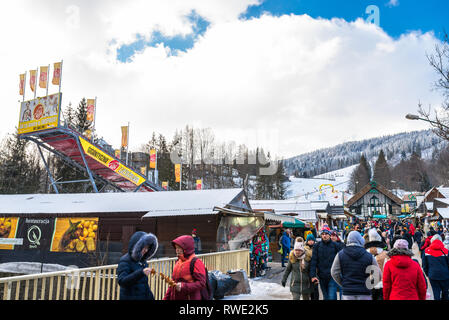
[(188, 285), (403, 278)]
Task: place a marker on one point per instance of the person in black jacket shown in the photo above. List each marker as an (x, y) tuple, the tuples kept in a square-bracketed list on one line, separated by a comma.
[(133, 268), (418, 235), (320, 266)]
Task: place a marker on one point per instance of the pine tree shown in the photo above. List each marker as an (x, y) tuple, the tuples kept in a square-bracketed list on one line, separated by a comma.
[(20, 171), (361, 175), (382, 174)]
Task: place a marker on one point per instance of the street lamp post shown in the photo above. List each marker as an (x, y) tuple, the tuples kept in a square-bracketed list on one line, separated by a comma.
[(415, 117)]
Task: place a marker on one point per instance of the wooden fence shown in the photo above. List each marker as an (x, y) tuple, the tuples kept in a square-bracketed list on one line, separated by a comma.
[(100, 283)]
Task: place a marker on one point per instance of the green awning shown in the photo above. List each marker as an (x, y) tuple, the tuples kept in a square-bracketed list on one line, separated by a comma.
[(379, 216), (296, 224)]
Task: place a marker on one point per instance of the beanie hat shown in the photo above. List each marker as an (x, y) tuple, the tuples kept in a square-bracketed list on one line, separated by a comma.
[(310, 237), (299, 246), (436, 237), (326, 229), (373, 235), (355, 239), (401, 244)]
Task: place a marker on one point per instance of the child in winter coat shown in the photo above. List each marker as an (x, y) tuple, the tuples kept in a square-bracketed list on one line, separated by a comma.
[(300, 284)]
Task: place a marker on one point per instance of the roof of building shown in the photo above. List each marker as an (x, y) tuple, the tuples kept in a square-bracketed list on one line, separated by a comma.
[(169, 202), (379, 188), (302, 210)]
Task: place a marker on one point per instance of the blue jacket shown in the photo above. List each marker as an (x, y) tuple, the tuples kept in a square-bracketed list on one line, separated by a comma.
[(131, 279), (285, 240), (435, 261), (322, 258)]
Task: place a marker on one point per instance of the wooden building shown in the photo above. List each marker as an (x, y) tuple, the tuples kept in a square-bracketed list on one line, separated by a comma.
[(374, 199), (116, 217)]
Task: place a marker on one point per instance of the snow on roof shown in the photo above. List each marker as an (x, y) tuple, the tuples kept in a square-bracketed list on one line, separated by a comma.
[(320, 205), (182, 202), (444, 191), (281, 206), (429, 205), (444, 212)]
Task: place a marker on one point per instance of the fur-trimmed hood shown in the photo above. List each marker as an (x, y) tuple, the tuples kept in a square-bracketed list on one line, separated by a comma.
[(375, 244), (400, 252), (138, 241)]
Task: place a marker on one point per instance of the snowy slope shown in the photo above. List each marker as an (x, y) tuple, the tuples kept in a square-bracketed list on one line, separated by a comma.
[(309, 189)]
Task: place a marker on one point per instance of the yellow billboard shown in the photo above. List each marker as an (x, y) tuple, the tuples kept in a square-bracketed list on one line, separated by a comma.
[(39, 114), (8, 230), (111, 163), (75, 235)]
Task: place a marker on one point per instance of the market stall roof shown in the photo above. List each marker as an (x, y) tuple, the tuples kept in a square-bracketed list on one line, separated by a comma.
[(320, 205), (379, 216), (169, 202), (300, 210)]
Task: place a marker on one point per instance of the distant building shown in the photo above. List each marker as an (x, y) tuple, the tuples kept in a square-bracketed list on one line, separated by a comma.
[(374, 199)]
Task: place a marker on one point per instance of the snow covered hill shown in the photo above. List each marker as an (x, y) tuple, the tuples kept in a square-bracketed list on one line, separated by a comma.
[(395, 147)]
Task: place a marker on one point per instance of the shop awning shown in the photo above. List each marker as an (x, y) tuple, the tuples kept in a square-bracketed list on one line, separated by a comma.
[(279, 218), (379, 216), (296, 224)]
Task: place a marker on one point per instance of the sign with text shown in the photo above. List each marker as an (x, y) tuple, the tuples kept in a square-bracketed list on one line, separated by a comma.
[(111, 163)]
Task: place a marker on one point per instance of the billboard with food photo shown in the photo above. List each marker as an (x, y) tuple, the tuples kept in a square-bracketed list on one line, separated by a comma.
[(39, 114), (8, 230), (75, 235)]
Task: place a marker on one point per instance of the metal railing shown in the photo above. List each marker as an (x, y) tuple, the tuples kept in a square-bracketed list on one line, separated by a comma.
[(100, 283)]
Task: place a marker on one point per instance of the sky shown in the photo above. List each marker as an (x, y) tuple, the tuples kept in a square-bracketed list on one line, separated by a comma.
[(292, 76)]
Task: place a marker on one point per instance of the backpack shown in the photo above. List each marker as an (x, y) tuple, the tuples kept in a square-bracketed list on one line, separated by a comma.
[(206, 293)]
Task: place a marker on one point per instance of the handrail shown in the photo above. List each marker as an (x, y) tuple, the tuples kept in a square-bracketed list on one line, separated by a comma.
[(100, 283)]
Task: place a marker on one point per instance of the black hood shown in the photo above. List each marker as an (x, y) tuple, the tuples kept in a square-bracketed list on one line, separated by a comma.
[(138, 241)]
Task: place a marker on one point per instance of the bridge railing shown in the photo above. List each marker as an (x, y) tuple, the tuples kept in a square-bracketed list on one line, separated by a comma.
[(100, 283)]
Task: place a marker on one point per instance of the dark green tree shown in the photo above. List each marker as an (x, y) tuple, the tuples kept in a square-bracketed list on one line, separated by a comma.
[(382, 174)]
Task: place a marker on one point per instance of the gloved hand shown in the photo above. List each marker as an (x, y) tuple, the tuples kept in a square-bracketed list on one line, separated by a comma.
[(283, 284)]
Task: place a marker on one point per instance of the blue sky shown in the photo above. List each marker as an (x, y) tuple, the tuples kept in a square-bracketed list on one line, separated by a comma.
[(396, 17)]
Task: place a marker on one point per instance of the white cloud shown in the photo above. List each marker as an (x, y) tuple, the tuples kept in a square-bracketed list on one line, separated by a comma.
[(312, 82)]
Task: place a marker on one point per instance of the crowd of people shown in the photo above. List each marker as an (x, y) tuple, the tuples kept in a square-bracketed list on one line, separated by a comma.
[(370, 260)]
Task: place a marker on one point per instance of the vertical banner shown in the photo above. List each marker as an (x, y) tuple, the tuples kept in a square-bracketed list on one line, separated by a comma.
[(199, 184), (153, 155), (22, 85), (43, 81), (143, 170), (165, 185), (124, 136), (90, 110), (117, 153), (178, 172), (57, 73), (33, 80)]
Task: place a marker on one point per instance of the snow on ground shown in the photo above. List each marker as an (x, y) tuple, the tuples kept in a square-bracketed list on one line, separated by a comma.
[(261, 290), (309, 189)]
